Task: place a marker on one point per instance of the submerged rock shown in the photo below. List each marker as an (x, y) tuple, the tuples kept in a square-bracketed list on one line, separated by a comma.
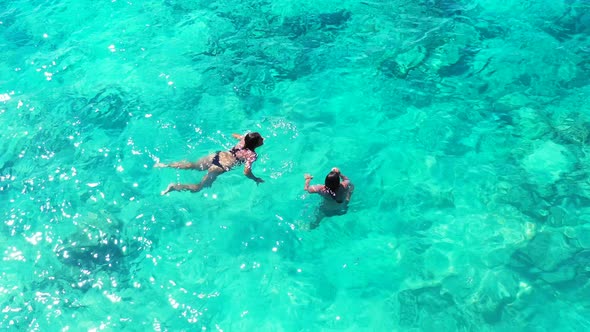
[(297, 26), (108, 109), (572, 127), (531, 123), (417, 307), (98, 245), (400, 64), (107, 253), (545, 252), (548, 162)]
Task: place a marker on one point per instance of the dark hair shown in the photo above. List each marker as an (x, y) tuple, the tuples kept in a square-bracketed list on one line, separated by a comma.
[(332, 182), (252, 141)]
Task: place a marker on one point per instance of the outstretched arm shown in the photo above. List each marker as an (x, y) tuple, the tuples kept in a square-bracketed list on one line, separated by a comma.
[(307, 181), (250, 175), (308, 188), (248, 168)]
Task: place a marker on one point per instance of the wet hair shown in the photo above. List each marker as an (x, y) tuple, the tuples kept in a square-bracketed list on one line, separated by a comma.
[(252, 141), (332, 182)]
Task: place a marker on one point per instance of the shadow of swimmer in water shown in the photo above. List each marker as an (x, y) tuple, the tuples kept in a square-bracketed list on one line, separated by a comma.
[(336, 195)]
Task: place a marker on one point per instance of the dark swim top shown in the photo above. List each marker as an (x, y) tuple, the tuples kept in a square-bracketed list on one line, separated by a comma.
[(333, 194), (234, 151), (243, 155)]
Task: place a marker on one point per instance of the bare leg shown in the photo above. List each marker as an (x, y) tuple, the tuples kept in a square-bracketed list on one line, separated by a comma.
[(201, 164), (180, 187), (318, 218), (180, 165), (207, 180)]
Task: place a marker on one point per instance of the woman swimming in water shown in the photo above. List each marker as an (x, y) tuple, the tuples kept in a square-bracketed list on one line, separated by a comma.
[(220, 162), (336, 194)]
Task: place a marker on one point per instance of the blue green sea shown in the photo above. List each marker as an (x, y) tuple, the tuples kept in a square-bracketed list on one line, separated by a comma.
[(463, 124)]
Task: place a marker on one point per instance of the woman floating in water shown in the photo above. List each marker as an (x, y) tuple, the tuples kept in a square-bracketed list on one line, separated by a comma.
[(336, 194), (220, 162)]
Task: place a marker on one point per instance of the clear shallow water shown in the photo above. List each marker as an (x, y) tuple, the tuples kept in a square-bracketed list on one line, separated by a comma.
[(462, 124)]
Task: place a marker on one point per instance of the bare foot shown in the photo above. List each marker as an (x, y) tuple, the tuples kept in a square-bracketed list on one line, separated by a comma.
[(167, 190)]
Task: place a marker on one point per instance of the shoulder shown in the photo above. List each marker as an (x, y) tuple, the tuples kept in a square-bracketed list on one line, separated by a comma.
[(247, 155), (318, 188), (240, 144), (251, 155)]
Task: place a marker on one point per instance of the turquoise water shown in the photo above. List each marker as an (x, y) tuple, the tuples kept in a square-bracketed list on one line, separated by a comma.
[(462, 124)]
